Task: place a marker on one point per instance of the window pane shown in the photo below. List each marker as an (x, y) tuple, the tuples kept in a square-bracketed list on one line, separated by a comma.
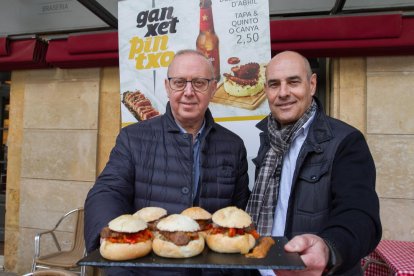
[(369, 4), (285, 7), (299, 6)]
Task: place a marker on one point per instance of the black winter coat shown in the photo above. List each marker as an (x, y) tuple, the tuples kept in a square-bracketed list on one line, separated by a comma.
[(333, 191), (152, 165)]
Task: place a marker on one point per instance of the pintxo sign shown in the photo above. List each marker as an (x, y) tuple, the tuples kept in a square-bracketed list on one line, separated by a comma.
[(163, 19), (233, 34), (152, 50)]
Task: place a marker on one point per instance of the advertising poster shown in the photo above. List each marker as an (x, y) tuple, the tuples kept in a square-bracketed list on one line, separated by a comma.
[(234, 34)]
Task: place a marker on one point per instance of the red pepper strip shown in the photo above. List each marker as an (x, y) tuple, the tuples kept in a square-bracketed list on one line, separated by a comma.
[(141, 236), (254, 234)]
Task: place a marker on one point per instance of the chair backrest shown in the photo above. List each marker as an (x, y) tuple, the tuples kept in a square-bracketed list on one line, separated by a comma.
[(66, 259), (78, 241)]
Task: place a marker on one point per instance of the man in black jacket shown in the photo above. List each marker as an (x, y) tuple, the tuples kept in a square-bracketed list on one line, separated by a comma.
[(315, 176), (176, 160)]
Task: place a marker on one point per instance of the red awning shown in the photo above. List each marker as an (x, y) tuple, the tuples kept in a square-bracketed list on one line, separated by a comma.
[(86, 50), (93, 43), (332, 36), (377, 35), (4, 46), (336, 28), (24, 54)]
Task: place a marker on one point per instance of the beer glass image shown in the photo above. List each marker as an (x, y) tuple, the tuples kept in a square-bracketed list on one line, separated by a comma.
[(207, 41), (243, 85)]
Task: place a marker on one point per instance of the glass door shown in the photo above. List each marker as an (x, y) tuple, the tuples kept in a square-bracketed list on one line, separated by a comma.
[(4, 127)]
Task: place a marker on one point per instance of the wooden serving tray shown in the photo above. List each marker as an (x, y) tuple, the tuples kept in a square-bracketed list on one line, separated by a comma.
[(247, 102)]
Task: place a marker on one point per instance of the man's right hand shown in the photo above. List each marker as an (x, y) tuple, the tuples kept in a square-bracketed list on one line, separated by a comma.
[(313, 251)]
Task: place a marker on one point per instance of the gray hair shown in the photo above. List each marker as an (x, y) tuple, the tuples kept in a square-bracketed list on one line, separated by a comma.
[(194, 52)]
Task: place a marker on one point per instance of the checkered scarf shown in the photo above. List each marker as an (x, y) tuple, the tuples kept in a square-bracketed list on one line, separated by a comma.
[(262, 201)]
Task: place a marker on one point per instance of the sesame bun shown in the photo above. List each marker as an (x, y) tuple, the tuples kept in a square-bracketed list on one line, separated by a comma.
[(149, 214), (124, 251), (196, 213), (177, 222), (225, 244), (232, 217), (127, 224)]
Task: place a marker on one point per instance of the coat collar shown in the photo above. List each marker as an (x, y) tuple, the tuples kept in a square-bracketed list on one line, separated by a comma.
[(173, 127), (319, 131)]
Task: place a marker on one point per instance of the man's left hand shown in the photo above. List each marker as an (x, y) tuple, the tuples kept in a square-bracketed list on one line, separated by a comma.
[(313, 251)]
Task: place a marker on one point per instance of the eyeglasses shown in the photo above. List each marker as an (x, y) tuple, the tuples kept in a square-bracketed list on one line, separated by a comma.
[(198, 84)]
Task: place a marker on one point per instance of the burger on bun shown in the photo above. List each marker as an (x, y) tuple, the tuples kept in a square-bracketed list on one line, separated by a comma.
[(151, 215), (177, 237), (126, 237), (247, 80), (201, 216), (232, 231)]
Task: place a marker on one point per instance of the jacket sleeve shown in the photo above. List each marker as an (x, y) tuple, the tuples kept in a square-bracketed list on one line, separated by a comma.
[(354, 226), (242, 192), (113, 192)]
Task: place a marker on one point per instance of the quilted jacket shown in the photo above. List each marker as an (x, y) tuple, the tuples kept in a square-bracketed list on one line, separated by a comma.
[(151, 165)]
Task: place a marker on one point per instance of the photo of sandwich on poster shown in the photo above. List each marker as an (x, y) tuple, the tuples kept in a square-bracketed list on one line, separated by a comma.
[(243, 85), (139, 105)]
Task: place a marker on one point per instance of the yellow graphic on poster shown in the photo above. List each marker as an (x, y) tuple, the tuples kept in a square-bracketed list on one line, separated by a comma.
[(233, 34)]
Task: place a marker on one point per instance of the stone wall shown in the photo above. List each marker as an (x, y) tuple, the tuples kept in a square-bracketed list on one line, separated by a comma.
[(54, 154), (376, 95), (109, 115), (390, 131)]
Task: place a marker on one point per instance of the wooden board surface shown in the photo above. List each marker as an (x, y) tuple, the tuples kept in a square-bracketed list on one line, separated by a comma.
[(247, 102)]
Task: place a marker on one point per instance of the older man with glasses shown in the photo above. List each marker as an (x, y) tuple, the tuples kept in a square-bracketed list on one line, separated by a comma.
[(174, 161)]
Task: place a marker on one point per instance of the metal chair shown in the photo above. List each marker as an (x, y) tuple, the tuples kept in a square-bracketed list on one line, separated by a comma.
[(368, 261), (66, 259)]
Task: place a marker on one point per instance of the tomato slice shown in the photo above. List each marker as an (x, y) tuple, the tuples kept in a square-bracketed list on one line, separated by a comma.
[(254, 234), (113, 240), (130, 239), (141, 236), (232, 232), (240, 231), (217, 230)]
